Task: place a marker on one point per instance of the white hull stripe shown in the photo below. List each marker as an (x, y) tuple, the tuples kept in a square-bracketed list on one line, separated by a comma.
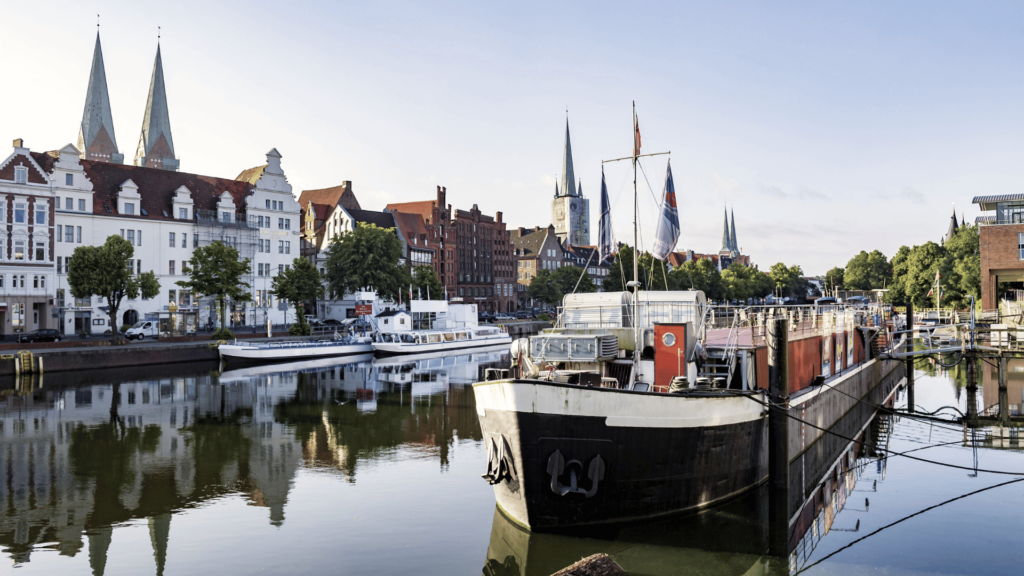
[(406, 348), (619, 409), (252, 352)]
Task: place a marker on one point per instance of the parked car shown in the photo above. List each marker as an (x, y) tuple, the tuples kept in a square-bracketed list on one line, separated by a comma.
[(142, 329), (312, 320), (503, 318), (332, 322), (44, 335)]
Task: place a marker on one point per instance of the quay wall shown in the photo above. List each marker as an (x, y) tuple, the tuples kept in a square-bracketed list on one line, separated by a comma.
[(104, 357), (843, 405)]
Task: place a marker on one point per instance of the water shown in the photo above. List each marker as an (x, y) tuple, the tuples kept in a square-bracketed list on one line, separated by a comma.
[(356, 466)]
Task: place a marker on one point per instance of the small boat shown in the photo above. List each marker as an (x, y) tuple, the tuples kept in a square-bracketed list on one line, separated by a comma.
[(434, 326), (296, 350)]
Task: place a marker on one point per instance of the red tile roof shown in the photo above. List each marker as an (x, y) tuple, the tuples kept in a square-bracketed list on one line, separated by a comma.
[(332, 196), (424, 208), (157, 187)]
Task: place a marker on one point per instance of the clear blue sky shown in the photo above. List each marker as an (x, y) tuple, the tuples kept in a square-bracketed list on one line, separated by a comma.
[(830, 127)]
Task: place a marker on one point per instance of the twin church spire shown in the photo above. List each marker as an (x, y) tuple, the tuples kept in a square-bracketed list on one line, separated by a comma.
[(729, 244), (96, 140)]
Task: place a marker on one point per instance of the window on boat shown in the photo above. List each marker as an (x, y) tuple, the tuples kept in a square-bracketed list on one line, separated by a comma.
[(449, 337), (462, 336), (409, 338), (433, 338)]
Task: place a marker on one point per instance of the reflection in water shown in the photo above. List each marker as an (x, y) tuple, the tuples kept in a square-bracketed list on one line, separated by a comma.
[(78, 460)]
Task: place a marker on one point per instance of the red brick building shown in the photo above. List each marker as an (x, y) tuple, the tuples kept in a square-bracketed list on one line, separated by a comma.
[(1001, 236), (441, 234)]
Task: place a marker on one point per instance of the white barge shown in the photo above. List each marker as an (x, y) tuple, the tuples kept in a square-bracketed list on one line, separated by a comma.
[(434, 326), (296, 350)]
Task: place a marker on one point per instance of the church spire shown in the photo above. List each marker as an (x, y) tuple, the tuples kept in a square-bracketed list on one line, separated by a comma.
[(726, 239), (156, 147), (732, 234), (568, 177), (96, 135)]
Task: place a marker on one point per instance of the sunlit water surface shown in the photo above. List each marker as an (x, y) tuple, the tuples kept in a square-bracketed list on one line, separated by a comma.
[(361, 466)]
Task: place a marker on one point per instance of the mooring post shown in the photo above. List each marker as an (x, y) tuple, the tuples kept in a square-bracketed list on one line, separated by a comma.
[(972, 393), (1004, 396), (910, 359), (778, 437)]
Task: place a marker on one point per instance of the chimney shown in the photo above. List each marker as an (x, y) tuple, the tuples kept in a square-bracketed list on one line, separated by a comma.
[(346, 186), (497, 215), (522, 231), (19, 143)]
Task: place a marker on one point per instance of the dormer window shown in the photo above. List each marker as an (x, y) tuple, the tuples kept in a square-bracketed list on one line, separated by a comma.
[(129, 208), (20, 175), (183, 213)]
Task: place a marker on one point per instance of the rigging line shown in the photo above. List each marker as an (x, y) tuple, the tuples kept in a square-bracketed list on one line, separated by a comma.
[(889, 452), (918, 513), (584, 272)]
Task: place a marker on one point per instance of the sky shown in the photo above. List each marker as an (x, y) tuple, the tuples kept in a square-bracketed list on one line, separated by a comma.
[(828, 127)]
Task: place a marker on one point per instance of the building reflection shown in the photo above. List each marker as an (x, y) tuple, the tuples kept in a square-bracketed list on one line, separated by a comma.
[(79, 457)]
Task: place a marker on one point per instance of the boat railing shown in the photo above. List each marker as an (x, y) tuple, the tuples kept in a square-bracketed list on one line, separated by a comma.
[(804, 322), (621, 316)]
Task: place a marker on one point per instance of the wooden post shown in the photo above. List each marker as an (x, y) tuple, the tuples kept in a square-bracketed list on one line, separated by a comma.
[(778, 437), (1004, 397), (972, 393), (910, 359)]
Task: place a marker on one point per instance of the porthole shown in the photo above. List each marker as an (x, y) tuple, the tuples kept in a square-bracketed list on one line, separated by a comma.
[(668, 339)]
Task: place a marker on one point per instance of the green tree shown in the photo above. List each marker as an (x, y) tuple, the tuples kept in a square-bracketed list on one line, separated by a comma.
[(834, 278), (543, 288), (897, 292), (105, 271), (366, 259), (866, 271), (621, 265), (700, 275), (963, 253), (215, 270), (742, 282), (426, 283), (550, 287), (298, 284), (788, 281)]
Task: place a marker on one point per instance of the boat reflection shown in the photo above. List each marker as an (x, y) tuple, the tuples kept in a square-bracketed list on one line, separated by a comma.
[(82, 453)]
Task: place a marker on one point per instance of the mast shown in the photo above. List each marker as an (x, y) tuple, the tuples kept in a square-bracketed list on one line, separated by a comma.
[(635, 283)]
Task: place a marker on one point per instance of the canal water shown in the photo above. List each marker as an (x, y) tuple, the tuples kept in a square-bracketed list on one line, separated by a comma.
[(364, 466)]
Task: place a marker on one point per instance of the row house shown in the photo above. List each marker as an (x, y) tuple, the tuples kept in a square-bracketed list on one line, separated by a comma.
[(589, 258), (441, 235), (535, 249), (26, 245), (483, 258)]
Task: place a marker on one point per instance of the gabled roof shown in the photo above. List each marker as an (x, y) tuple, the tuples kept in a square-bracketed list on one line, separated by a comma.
[(425, 208), (380, 219), (333, 196), (528, 240), (157, 188), (36, 174), (412, 226), (589, 254), (252, 175)]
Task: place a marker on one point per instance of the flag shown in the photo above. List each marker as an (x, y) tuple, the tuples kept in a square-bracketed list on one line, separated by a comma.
[(668, 225), (605, 242), (636, 136)]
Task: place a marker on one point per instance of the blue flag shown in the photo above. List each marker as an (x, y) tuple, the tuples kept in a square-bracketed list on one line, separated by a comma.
[(605, 243), (668, 225)]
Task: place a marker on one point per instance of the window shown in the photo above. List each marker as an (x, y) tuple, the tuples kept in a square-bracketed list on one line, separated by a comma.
[(40, 251), (268, 204), (287, 223), (69, 179), (280, 223), (69, 203), (287, 247), (1, 280), (57, 204), (170, 240), (280, 246), (138, 266), (60, 232), (172, 296), (170, 269), (78, 231), (280, 268), (183, 213), (19, 249), (131, 237), (1020, 245), (69, 233), (129, 208), (81, 205), (259, 269), (138, 237), (20, 175), (259, 221), (19, 213), (122, 232), (184, 240), (40, 214), (195, 240), (35, 281), (225, 216), (60, 261)]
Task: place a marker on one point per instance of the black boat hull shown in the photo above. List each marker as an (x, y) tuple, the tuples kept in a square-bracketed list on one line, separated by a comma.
[(559, 462)]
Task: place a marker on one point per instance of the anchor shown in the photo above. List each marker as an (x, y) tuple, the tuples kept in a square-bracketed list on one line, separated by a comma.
[(557, 467), (500, 464)]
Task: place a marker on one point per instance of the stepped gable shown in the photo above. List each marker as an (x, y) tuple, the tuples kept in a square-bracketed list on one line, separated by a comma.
[(36, 171), (332, 196), (157, 188), (46, 160)]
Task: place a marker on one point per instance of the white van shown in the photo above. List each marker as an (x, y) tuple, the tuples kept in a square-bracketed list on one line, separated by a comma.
[(142, 329)]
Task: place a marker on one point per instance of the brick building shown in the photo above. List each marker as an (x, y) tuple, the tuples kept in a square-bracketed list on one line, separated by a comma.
[(440, 232), (1001, 239), (483, 260)]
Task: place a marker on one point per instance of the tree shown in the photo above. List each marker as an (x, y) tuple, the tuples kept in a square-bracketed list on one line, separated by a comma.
[(963, 251), (742, 282), (700, 275), (867, 271), (366, 258), (105, 271), (426, 283), (550, 287), (215, 270), (298, 284), (958, 262), (834, 278), (789, 280), (622, 264)]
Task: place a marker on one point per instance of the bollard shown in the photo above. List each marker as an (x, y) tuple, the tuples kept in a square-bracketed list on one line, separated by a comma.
[(778, 437), (910, 359)]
